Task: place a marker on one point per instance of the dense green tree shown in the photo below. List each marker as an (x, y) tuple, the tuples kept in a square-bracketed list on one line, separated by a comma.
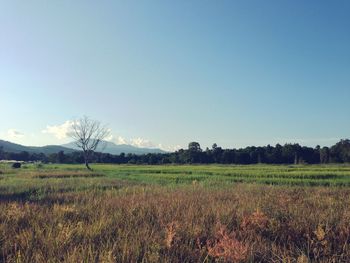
[(340, 152), (1, 152), (324, 155), (287, 154), (194, 147), (194, 153), (60, 157)]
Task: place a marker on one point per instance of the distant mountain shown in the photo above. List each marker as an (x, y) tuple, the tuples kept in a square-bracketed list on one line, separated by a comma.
[(16, 148), (105, 147), (112, 148)]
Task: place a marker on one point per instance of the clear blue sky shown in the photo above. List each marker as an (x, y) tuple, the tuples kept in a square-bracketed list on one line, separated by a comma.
[(169, 72)]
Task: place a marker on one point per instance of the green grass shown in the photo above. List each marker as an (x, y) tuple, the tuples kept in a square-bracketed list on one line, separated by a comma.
[(334, 175), (77, 176), (37, 180), (173, 213)]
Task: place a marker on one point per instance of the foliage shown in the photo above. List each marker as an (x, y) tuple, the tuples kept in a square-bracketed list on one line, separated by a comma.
[(287, 154)]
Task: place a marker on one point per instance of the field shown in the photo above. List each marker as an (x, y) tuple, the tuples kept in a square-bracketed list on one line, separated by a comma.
[(126, 213)]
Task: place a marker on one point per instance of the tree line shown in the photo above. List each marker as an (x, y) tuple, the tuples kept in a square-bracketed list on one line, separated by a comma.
[(194, 154)]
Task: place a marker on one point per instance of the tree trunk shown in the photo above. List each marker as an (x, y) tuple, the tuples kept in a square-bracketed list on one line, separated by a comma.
[(296, 159), (87, 165), (86, 157)]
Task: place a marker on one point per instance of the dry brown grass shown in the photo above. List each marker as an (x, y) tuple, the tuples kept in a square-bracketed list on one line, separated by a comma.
[(245, 223), (170, 234), (225, 246)]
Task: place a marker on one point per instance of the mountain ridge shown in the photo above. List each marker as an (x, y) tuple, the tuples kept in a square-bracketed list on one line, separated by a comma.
[(111, 148), (47, 149)]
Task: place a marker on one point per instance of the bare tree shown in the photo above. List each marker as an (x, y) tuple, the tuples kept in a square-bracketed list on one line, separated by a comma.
[(88, 134)]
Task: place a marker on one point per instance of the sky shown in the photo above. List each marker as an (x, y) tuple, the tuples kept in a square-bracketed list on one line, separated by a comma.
[(165, 73)]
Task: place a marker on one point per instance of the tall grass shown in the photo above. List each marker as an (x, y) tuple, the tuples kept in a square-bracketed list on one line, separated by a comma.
[(246, 223), (110, 218)]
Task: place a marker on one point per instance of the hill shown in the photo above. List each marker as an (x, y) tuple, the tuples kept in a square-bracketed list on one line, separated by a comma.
[(106, 147), (112, 148), (48, 149)]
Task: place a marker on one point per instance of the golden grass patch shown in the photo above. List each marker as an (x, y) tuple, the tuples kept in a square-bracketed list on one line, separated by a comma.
[(243, 223)]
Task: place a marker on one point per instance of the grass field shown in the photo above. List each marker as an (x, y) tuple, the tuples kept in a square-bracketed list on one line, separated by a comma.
[(128, 213)]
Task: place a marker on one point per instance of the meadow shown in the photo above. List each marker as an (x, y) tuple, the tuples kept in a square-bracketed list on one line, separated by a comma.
[(189, 213)]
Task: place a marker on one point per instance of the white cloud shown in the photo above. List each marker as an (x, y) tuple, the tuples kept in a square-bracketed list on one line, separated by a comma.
[(14, 134), (121, 140), (110, 137), (142, 143), (62, 132), (59, 131), (176, 147), (145, 143), (172, 148), (58, 134)]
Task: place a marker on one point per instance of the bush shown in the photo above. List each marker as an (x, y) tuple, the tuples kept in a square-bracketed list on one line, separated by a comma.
[(16, 165)]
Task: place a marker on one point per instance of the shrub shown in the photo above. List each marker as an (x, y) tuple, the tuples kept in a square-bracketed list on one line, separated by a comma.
[(16, 165)]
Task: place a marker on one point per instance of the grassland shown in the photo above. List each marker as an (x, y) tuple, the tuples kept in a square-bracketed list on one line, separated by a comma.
[(259, 213)]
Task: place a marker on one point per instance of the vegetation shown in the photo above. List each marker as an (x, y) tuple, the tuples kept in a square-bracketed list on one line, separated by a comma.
[(129, 213), (287, 154)]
